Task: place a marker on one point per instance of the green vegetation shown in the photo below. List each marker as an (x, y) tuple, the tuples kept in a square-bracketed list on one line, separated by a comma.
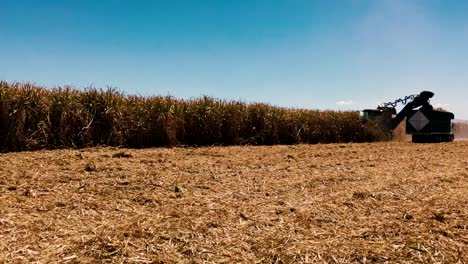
[(33, 117)]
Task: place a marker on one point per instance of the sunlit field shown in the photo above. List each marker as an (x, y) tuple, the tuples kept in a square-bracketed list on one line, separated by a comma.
[(326, 203)]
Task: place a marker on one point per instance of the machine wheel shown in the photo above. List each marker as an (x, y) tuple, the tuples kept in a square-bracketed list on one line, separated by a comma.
[(432, 138)]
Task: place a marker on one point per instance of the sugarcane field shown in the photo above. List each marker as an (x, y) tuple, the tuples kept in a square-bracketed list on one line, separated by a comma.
[(248, 131)]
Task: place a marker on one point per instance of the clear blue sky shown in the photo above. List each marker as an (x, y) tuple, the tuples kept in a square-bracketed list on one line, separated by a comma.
[(325, 54)]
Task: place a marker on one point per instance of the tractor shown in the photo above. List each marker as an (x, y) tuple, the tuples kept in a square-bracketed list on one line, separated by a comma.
[(423, 122)]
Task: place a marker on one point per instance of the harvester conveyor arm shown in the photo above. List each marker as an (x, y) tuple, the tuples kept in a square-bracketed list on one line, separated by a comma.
[(420, 100)]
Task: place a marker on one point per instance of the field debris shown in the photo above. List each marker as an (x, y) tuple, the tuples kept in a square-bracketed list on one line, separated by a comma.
[(90, 167), (393, 202), (122, 154)]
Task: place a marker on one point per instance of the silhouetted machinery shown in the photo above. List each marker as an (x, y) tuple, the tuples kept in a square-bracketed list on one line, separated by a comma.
[(423, 122)]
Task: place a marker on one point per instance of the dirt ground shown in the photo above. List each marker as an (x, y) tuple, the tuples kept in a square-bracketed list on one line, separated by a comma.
[(394, 202)]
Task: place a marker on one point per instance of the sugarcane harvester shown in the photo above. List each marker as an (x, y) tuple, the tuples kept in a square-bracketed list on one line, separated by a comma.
[(423, 122)]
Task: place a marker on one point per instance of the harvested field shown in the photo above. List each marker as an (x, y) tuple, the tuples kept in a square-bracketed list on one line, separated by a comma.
[(338, 203)]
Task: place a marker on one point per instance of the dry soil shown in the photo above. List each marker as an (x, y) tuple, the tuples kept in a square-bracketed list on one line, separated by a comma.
[(394, 202)]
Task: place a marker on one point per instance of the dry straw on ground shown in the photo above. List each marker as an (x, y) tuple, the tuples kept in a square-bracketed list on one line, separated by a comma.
[(340, 203)]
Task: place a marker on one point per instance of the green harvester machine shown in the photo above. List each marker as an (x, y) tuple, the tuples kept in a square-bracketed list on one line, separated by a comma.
[(423, 122)]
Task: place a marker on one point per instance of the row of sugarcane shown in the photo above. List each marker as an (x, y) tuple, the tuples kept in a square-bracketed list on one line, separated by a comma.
[(34, 117)]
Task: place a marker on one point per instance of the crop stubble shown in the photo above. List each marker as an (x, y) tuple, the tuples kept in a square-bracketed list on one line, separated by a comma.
[(379, 202)]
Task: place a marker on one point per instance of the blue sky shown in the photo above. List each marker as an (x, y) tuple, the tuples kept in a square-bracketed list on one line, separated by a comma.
[(330, 54)]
